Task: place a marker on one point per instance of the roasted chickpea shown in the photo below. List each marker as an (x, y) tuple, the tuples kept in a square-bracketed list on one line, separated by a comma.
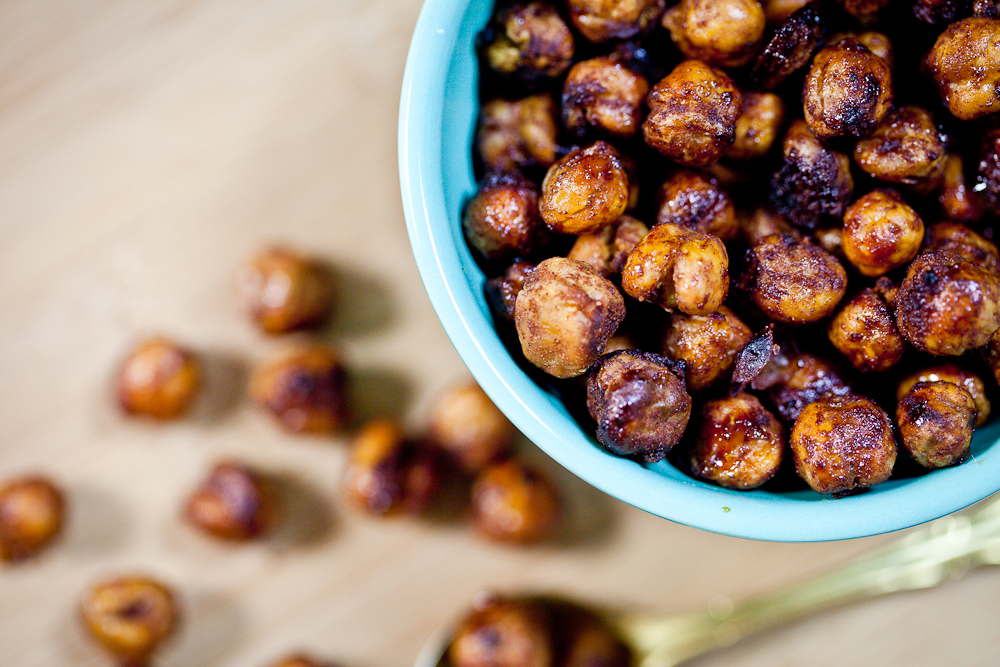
[(739, 444), (881, 233), (936, 420), (761, 223), (678, 269), (804, 379), (696, 201), (565, 315), (529, 42), (951, 372), (602, 20), (234, 502), (518, 134), (947, 305), (794, 281), (959, 200), (758, 126), (504, 632), (843, 444), (790, 48), (585, 190), (778, 11), (965, 63), (304, 389), (159, 379), (693, 112), (907, 148), (640, 403), (707, 344), (31, 517), (603, 94), (465, 423), (501, 291), (608, 249), (961, 240), (130, 617), (284, 290), (864, 330), (515, 503), (502, 220), (724, 33), (848, 91)]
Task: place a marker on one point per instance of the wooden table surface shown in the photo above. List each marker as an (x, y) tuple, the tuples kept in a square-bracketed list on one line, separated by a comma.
[(146, 149)]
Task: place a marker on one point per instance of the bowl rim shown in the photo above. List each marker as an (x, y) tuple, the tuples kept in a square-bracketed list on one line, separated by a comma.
[(444, 268)]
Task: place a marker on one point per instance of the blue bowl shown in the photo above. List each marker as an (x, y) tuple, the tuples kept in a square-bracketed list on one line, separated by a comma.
[(437, 117)]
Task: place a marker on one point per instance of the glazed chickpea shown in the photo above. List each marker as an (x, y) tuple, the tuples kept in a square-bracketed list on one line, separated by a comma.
[(936, 420), (693, 112), (963, 241), (758, 127), (957, 375), (465, 423), (724, 33), (565, 315), (965, 63), (761, 223), (603, 20), (946, 305), (529, 42), (518, 134), (881, 233), (640, 404), (283, 290), (503, 632), (130, 617), (739, 444), (502, 220), (514, 503), (678, 269), (806, 378), (864, 330), (607, 250), (848, 91), (707, 344), (794, 281), (842, 445), (605, 95), (959, 201), (159, 379), (304, 389), (31, 517), (790, 48), (690, 199), (501, 291), (585, 190), (907, 148), (234, 503)]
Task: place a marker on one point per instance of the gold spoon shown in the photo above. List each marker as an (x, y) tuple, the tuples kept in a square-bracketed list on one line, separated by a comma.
[(942, 549)]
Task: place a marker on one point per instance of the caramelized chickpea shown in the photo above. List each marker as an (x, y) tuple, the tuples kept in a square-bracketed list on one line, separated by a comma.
[(693, 112), (565, 315), (881, 233), (707, 344), (502, 220), (936, 420), (585, 190), (159, 379), (516, 134), (758, 126), (724, 33), (512, 502), (692, 200), (603, 20), (790, 48), (501, 291), (865, 332), (739, 444), (604, 94), (528, 42), (959, 201), (284, 290), (31, 517), (639, 402), (951, 372), (234, 502), (465, 423), (843, 444), (806, 378), (962, 241), (304, 390), (907, 148), (130, 617), (504, 632), (607, 250), (965, 63)]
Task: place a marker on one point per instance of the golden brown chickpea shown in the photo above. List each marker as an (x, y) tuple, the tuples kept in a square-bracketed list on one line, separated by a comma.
[(951, 372), (965, 63), (763, 222), (31, 517), (724, 33), (758, 126), (504, 632), (528, 42), (936, 420), (565, 315), (234, 503), (585, 190), (602, 20), (608, 249), (790, 48), (515, 134), (502, 220), (130, 617), (514, 503), (707, 344), (881, 233), (946, 305), (159, 379), (501, 291), (794, 281), (465, 423), (603, 94), (693, 112), (848, 91), (907, 148), (806, 378), (678, 269), (959, 201), (843, 444), (961, 240), (303, 389), (690, 199), (739, 444), (640, 403), (864, 330), (284, 290)]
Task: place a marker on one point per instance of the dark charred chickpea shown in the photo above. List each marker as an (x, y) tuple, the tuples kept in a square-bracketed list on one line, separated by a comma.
[(961, 240), (965, 63), (693, 112), (502, 220), (806, 378), (517, 134), (234, 503), (304, 389), (678, 269), (758, 127), (985, 9), (31, 517), (790, 48), (739, 444), (936, 420), (130, 617), (724, 33), (528, 42), (761, 223), (608, 249), (585, 190), (603, 20), (159, 379), (640, 404), (707, 344), (939, 12), (690, 199), (503, 632), (466, 424), (605, 95), (951, 372), (848, 91), (959, 201), (843, 444), (881, 233), (864, 330), (907, 148), (501, 291), (565, 315), (515, 503), (283, 290)]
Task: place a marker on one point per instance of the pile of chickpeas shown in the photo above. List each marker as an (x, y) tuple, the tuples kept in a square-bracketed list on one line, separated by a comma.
[(753, 238)]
